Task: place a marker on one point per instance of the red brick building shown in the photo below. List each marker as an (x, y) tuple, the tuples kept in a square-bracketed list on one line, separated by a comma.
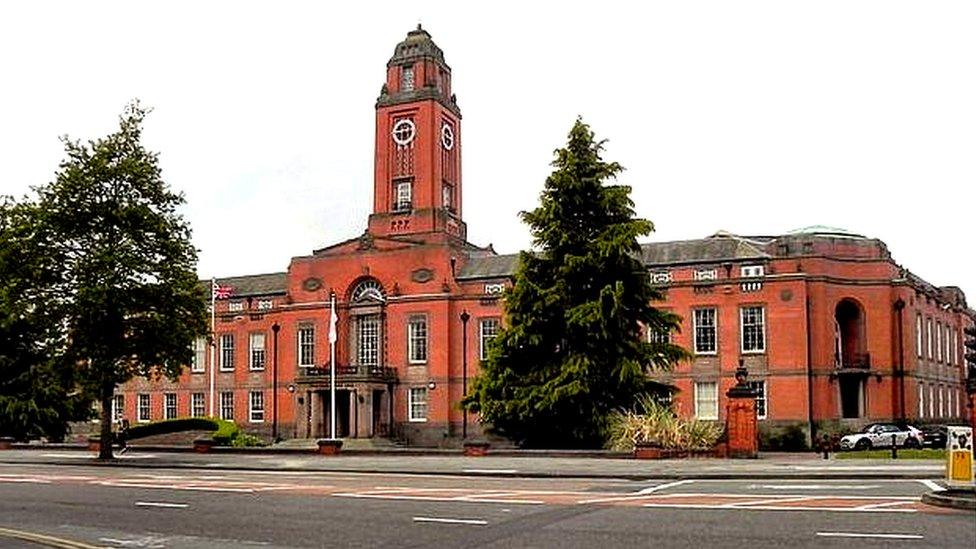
[(830, 327)]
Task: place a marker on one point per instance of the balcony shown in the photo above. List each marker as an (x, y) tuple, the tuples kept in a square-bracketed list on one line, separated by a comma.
[(348, 373), (855, 361)]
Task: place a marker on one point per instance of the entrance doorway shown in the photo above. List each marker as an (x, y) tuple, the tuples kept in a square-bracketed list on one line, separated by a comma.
[(342, 413)]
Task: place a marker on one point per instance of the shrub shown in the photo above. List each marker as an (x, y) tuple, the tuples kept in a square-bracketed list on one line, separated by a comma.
[(788, 438), (657, 425), (168, 426)]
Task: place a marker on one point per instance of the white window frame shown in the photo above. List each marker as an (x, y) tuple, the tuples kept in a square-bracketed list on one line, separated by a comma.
[(226, 403), (761, 396), (118, 408), (412, 401), (928, 337), (417, 339), (199, 363), (752, 271), (919, 343), (407, 83), (166, 405), (699, 399), (255, 414), (762, 329), (483, 337), (931, 400), (226, 356), (941, 400), (403, 195), (195, 400), (254, 352), (955, 346), (143, 408), (695, 327), (921, 400), (947, 342), (369, 340), (938, 341), (306, 347)]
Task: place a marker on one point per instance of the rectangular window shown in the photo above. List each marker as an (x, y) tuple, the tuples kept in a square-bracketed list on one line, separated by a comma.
[(918, 335), (227, 405), (406, 78), (235, 306), (931, 412), (197, 405), (928, 337), (368, 340), (447, 197), (257, 351), (256, 410), (955, 346), (488, 330), (657, 337), (948, 347), (169, 406), (306, 346), (753, 321), (938, 341), (402, 195), (941, 400), (418, 404), (706, 400), (118, 408), (921, 400), (265, 304), (761, 403), (143, 412), (199, 355), (417, 339), (227, 352), (705, 332), (750, 271)]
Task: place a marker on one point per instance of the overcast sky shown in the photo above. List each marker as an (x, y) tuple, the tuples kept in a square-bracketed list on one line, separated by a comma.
[(751, 117)]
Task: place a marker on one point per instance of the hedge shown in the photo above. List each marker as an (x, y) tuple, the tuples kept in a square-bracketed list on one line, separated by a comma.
[(177, 425)]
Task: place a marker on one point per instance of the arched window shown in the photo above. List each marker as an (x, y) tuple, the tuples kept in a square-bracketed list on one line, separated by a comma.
[(368, 290)]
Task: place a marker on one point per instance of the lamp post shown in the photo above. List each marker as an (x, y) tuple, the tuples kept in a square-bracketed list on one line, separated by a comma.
[(465, 317), (274, 383)]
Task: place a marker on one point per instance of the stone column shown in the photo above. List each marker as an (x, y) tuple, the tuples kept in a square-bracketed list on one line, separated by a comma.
[(741, 422)]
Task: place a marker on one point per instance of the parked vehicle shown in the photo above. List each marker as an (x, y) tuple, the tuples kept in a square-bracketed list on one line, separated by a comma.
[(935, 436), (882, 435)]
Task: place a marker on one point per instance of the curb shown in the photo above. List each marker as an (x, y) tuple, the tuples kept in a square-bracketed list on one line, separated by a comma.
[(952, 498), (676, 475)]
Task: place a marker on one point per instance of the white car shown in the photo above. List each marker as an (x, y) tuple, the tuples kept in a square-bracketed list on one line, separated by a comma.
[(883, 435)]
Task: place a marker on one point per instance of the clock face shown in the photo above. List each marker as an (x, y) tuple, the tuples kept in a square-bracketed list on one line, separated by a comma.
[(404, 131), (447, 137)]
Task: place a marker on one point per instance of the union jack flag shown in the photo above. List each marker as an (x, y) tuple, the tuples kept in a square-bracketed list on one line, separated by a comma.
[(221, 292)]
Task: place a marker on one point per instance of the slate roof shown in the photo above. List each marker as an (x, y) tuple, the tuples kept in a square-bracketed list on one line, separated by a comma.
[(489, 266), (705, 250), (253, 285)]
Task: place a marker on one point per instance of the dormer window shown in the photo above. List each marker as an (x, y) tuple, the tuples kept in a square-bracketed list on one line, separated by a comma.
[(402, 195), (406, 78), (752, 271)]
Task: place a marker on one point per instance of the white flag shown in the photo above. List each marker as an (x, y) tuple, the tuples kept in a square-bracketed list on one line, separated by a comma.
[(332, 323)]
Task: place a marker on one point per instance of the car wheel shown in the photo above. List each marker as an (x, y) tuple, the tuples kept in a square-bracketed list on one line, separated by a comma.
[(863, 444), (912, 442)]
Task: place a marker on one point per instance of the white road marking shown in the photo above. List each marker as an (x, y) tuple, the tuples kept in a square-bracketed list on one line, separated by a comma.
[(858, 535), (490, 471), (930, 484), (728, 507), (871, 506), (25, 479), (162, 504), (474, 522), (652, 489), (761, 502), (815, 486)]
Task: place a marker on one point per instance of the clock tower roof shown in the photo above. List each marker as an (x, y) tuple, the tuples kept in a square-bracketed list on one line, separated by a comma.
[(417, 45)]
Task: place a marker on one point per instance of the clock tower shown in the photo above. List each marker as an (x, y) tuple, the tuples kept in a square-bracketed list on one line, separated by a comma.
[(417, 176)]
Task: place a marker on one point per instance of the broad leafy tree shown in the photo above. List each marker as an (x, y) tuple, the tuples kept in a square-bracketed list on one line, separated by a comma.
[(128, 291), (572, 350), (38, 389)]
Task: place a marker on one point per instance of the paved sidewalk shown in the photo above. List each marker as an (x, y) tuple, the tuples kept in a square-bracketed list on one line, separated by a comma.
[(799, 466)]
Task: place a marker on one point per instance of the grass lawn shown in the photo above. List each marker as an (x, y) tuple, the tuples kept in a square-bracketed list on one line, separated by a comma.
[(927, 453)]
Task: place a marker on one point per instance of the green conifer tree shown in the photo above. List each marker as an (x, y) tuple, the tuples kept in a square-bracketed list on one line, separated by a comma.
[(571, 350)]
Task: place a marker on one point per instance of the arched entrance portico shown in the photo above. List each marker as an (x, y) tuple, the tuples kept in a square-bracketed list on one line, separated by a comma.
[(851, 359)]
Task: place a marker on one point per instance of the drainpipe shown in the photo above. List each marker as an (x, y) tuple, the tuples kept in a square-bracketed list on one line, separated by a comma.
[(899, 308), (810, 378)]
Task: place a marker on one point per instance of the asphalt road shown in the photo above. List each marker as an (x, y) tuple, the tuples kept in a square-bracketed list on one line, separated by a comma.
[(114, 507)]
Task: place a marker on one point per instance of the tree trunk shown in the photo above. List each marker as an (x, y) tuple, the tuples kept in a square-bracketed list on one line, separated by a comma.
[(106, 438)]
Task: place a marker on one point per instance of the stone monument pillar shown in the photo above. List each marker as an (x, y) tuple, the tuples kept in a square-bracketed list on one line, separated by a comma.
[(741, 422)]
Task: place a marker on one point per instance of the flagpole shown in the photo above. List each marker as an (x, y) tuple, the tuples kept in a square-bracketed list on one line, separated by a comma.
[(333, 336), (213, 340)]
